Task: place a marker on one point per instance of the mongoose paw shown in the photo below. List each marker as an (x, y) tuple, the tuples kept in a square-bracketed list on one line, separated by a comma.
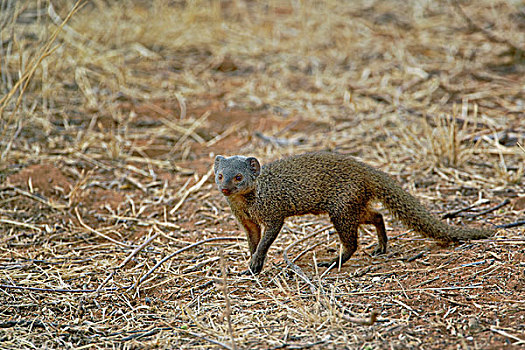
[(256, 266), (325, 263), (246, 272), (379, 251)]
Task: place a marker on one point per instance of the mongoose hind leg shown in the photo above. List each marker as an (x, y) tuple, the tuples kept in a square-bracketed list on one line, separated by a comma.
[(271, 231), (372, 217), (346, 225)]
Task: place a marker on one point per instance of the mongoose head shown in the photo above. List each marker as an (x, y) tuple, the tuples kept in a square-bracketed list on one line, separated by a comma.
[(236, 175)]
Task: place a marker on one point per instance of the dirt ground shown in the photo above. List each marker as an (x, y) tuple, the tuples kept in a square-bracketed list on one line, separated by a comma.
[(112, 232)]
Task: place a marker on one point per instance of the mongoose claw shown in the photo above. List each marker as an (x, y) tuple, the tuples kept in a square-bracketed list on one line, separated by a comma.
[(256, 266), (253, 269), (379, 251), (246, 272)]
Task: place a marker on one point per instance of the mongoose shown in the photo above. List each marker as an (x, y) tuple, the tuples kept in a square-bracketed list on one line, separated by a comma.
[(319, 183)]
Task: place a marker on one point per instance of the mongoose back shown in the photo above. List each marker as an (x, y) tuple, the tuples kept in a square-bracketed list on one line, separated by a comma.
[(318, 183)]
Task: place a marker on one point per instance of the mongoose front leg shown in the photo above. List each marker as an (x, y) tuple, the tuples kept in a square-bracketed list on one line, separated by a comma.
[(271, 230), (372, 217), (253, 232)]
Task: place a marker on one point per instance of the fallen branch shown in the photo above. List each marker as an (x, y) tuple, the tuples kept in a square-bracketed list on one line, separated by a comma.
[(521, 147), (512, 224), (519, 341), (99, 233), (56, 290), (417, 256), (502, 204), (142, 334), (279, 141), (214, 239), (21, 224), (455, 213), (227, 310), (36, 198), (201, 264), (22, 323), (192, 189), (412, 290)]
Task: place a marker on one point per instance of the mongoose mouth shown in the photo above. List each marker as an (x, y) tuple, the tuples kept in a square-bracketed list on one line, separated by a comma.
[(226, 191)]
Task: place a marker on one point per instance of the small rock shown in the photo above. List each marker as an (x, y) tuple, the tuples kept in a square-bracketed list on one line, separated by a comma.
[(519, 203), (473, 324)]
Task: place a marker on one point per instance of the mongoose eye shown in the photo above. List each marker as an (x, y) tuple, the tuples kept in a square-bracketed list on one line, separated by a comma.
[(219, 177), (238, 177)]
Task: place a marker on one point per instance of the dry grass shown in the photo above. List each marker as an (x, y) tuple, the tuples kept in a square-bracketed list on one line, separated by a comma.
[(109, 120)]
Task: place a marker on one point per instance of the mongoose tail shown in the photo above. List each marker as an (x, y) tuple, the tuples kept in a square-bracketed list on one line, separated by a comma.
[(411, 213)]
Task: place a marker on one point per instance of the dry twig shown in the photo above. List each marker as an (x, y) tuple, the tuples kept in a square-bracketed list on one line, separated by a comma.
[(192, 189), (97, 232), (227, 310), (170, 256)]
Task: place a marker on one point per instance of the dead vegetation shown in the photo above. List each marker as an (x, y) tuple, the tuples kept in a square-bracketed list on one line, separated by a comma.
[(112, 232)]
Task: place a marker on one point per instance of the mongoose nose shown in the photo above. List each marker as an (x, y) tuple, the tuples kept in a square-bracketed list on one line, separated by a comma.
[(225, 191)]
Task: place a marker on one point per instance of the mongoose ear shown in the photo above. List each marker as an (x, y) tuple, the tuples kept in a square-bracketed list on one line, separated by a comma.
[(254, 165), (218, 161)]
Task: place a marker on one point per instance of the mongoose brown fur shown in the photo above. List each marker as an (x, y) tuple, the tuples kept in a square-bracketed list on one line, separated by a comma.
[(318, 183)]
